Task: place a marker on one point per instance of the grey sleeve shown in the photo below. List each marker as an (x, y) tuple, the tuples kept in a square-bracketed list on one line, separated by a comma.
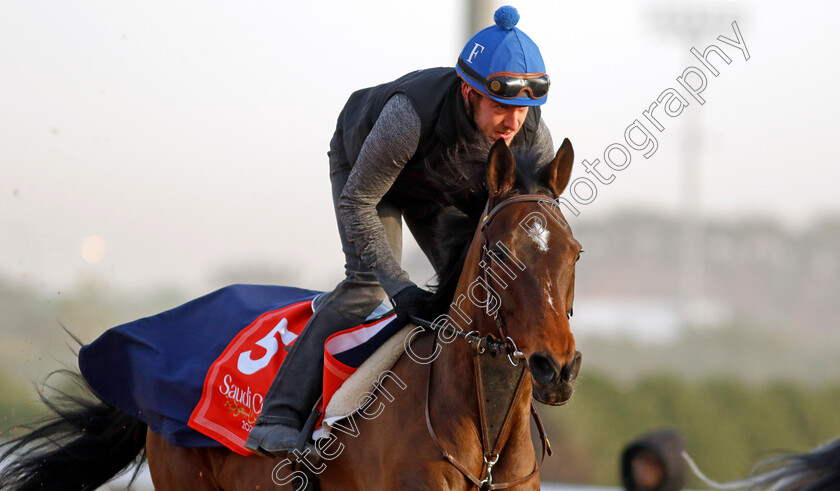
[(392, 142), (544, 144)]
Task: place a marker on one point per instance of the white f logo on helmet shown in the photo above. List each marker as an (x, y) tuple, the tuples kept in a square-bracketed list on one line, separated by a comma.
[(475, 51)]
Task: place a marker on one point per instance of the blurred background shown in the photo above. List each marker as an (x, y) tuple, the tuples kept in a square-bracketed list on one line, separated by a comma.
[(153, 152)]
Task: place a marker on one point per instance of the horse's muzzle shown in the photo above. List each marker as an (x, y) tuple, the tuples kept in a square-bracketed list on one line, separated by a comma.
[(553, 383)]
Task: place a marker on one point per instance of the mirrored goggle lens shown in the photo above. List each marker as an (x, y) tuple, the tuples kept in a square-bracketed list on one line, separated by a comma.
[(512, 87)]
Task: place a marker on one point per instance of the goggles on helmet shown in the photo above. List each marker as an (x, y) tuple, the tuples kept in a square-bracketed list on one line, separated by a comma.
[(509, 85)]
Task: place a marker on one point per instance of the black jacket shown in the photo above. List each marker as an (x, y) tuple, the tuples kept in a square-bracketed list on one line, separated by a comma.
[(436, 96)]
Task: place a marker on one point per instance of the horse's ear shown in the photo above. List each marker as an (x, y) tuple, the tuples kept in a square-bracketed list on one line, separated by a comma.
[(500, 170), (556, 174)]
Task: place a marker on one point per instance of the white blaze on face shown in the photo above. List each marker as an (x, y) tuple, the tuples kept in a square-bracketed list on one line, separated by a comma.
[(547, 292), (540, 236)]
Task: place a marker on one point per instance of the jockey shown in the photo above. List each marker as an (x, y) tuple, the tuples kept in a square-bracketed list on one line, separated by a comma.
[(384, 138)]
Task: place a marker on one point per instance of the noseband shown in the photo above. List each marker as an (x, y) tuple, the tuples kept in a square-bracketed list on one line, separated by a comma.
[(498, 383)]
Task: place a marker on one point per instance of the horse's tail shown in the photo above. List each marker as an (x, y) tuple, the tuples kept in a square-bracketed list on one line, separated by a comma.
[(817, 470), (84, 445)]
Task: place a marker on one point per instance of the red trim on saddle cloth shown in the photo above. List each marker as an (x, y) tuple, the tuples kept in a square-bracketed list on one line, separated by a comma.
[(336, 372)]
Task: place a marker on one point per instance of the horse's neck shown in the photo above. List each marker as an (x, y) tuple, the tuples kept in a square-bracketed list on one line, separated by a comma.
[(453, 394), (454, 384), (455, 417)]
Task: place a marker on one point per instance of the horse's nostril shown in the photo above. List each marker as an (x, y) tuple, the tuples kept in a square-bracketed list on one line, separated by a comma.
[(571, 369), (542, 368)]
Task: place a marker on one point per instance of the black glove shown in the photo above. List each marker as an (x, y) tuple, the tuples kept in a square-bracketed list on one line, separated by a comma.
[(414, 301)]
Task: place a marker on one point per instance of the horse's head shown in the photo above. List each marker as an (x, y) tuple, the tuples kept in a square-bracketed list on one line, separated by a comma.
[(527, 258)]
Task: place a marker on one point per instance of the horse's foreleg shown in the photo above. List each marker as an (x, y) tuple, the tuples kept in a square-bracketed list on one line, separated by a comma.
[(178, 468)]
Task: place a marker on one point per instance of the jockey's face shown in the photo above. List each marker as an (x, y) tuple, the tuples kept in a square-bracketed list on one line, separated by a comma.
[(493, 119)]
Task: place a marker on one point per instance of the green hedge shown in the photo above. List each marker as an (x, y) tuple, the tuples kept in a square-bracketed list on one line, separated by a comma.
[(727, 425)]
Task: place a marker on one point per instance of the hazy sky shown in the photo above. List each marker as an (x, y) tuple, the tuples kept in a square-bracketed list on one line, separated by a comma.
[(188, 135)]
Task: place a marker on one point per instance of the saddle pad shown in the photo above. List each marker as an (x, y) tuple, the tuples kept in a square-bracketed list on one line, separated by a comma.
[(154, 368), (198, 374), (346, 400)]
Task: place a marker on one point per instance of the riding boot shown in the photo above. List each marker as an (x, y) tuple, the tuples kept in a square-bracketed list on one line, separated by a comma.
[(298, 384)]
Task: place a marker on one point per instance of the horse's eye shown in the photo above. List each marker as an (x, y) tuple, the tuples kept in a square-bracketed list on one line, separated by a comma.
[(578, 256), (497, 255)]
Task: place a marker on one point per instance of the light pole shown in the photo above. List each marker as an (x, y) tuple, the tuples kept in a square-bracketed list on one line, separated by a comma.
[(479, 16), (691, 23)]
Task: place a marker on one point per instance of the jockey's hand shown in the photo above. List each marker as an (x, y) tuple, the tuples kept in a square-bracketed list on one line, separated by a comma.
[(414, 301)]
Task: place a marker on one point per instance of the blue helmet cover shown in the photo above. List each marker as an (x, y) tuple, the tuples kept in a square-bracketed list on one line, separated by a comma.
[(502, 48)]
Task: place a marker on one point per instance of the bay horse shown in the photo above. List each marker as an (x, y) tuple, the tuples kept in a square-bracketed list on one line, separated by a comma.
[(459, 418)]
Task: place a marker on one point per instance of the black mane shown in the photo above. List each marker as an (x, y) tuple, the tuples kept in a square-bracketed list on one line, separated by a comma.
[(461, 179)]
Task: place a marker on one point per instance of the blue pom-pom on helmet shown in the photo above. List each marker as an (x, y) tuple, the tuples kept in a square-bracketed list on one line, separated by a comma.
[(504, 64), (506, 17)]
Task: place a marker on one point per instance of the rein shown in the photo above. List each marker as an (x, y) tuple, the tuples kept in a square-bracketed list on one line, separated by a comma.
[(498, 384)]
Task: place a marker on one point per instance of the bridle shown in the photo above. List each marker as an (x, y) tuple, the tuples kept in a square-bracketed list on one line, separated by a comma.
[(499, 381)]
